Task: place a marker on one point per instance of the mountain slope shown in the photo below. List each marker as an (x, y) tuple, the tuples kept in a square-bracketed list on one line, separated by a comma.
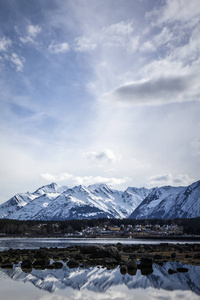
[(184, 205), (52, 202), (170, 202)]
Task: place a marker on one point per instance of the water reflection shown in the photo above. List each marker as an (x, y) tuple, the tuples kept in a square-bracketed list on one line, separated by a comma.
[(101, 283)]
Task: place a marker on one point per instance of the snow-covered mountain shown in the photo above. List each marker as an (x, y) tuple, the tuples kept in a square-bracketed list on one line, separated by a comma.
[(145, 209), (53, 202), (170, 202)]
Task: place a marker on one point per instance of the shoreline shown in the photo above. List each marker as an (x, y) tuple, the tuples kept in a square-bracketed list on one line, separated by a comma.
[(109, 256)]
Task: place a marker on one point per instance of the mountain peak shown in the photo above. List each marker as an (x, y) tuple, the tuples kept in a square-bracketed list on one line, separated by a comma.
[(49, 188)]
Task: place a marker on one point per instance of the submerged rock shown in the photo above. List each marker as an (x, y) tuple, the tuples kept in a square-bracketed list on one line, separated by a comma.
[(171, 271), (123, 269), (73, 263)]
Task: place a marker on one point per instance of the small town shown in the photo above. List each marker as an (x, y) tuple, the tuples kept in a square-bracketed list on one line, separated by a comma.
[(129, 231)]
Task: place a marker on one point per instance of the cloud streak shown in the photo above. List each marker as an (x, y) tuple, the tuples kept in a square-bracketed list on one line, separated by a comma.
[(84, 180), (154, 91)]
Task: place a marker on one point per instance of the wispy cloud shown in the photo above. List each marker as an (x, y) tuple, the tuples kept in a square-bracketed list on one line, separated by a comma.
[(17, 61), (83, 44), (117, 34), (5, 44), (32, 31), (59, 48)]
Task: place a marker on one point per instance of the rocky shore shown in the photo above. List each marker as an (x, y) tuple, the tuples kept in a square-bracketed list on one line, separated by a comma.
[(128, 257)]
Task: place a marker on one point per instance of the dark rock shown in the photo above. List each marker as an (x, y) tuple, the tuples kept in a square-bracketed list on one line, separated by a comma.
[(173, 255), (182, 270), (131, 265), (146, 262), (41, 263), (171, 271), (158, 256), (123, 269), (73, 263), (132, 272), (78, 257), (50, 267), (127, 248), (100, 251), (147, 270), (114, 252), (119, 246), (196, 256), (110, 261), (7, 264), (26, 264), (40, 254), (57, 265), (132, 256)]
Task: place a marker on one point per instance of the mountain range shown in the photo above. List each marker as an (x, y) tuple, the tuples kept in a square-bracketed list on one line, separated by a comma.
[(53, 202)]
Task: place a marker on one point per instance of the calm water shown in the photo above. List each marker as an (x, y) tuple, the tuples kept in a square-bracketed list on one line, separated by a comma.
[(95, 282), (34, 243), (100, 283)]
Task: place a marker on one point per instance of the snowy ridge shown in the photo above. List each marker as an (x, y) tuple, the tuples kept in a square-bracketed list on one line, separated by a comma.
[(53, 202)]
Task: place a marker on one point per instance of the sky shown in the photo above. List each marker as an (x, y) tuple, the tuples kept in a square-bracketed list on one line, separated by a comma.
[(99, 91)]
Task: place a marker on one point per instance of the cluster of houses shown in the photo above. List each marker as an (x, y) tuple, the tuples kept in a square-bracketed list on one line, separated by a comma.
[(131, 231)]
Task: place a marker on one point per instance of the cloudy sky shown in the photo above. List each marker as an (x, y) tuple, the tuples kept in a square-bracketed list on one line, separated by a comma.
[(99, 91)]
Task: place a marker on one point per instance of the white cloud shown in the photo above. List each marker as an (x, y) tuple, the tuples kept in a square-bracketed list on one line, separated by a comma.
[(169, 179), (5, 43), (83, 44), (105, 154), (147, 46), (59, 48), (32, 33), (119, 29), (33, 30), (17, 61), (179, 11), (85, 180), (117, 34)]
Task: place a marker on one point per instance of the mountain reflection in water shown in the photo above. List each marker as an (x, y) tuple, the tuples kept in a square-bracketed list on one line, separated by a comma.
[(101, 281)]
